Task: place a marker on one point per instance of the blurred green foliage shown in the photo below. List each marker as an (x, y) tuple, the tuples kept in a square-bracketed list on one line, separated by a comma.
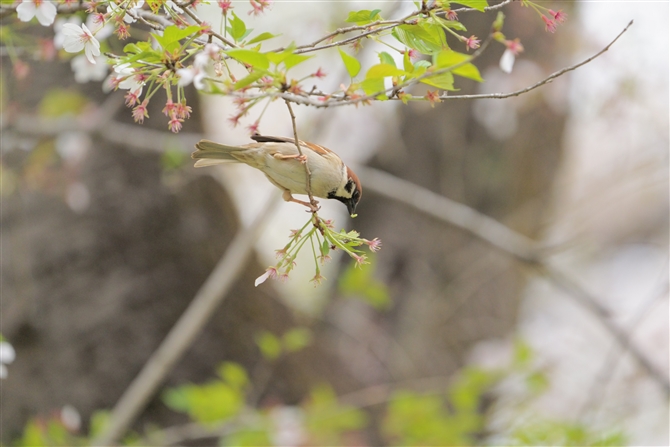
[(327, 419), (58, 102), (359, 282), (457, 415)]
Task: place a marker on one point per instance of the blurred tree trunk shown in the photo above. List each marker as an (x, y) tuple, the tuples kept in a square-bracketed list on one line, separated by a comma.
[(88, 295)]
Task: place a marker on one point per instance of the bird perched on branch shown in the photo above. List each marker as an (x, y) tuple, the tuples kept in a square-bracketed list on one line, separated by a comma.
[(282, 164)]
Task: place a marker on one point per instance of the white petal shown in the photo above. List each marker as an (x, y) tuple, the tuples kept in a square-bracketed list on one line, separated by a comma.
[(7, 353), (3, 371), (201, 59), (72, 45), (26, 11), (507, 61), (186, 76), (261, 279), (72, 30), (89, 51), (46, 13), (198, 81)]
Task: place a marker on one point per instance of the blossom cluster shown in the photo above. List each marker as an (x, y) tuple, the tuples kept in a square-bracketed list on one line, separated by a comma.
[(322, 240)]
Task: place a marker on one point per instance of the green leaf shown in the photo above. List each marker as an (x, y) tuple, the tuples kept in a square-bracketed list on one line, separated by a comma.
[(363, 16), (297, 339), (453, 24), (386, 58), (479, 5), (418, 38), (249, 79), (295, 59), (444, 81), (233, 374), (351, 63), (449, 58), (407, 63), (381, 71), (169, 41), (263, 36), (237, 28), (269, 345), (253, 58)]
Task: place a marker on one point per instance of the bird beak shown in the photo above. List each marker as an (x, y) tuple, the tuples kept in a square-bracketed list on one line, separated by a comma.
[(351, 207)]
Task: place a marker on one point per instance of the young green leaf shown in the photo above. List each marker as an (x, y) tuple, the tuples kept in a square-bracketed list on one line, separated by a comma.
[(479, 5), (381, 71), (363, 16), (407, 63), (370, 87), (386, 58), (351, 63), (416, 37), (294, 59), (253, 58), (444, 81), (237, 28), (449, 58), (249, 79), (261, 37)]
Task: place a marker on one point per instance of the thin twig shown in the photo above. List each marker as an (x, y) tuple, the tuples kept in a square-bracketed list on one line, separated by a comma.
[(341, 100), (308, 174), (508, 241), (184, 332), (542, 82)]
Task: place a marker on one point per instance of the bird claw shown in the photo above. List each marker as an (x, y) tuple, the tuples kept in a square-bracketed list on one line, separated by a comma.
[(302, 158)]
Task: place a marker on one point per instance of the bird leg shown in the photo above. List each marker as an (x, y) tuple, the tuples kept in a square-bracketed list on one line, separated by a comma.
[(301, 158), (289, 198)]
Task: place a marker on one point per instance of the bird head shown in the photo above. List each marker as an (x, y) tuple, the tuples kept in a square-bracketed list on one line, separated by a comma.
[(349, 192)]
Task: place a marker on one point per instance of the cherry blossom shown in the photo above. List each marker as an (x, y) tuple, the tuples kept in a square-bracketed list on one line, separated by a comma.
[(7, 356), (80, 38), (192, 74), (44, 10), (116, 10), (59, 37), (85, 70)]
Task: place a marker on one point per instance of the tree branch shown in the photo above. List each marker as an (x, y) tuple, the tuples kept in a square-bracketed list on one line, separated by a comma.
[(342, 100), (508, 241), (184, 332), (308, 174)]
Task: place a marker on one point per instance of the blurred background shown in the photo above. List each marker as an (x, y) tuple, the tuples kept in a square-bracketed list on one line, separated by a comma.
[(108, 233)]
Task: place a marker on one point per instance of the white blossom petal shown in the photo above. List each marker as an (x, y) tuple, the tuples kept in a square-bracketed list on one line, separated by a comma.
[(186, 76), (46, 13), (261, 279), (26, 11), (7, 353), (85, 71), (507, 61)]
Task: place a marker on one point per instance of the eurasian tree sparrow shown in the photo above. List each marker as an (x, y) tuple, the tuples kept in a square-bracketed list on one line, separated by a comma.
[(279, 159)]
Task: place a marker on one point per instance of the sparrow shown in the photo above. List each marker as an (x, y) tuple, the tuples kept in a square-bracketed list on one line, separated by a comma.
[(278, 158)]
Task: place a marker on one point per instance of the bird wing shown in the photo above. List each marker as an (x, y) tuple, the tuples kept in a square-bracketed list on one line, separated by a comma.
[(323, 151)]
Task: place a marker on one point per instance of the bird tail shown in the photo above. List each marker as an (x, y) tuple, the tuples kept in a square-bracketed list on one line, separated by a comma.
[(209, 153)]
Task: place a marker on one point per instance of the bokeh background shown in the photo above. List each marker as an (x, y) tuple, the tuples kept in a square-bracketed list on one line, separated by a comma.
[(108, 233)]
